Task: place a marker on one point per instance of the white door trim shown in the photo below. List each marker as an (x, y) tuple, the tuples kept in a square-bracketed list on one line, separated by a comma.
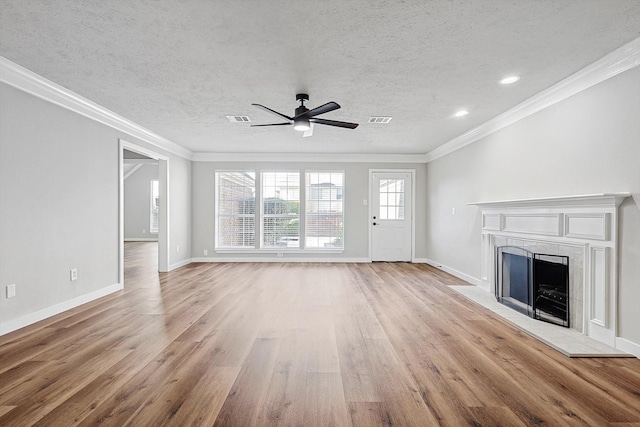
[(413, 207), (163, 219)]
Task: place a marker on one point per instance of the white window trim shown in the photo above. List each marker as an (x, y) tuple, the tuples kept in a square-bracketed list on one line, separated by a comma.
[(344, 190), (300, 206), (258, 249), (216, 201), (151, 231)]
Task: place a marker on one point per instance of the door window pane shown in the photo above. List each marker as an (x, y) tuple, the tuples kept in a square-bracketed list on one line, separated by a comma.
[(392, 199)]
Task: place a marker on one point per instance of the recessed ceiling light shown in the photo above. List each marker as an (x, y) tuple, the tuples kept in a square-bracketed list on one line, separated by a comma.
[(461, 113), (510, 79)]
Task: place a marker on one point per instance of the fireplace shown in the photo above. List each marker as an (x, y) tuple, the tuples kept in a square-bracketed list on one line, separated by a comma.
[(583, 228), (535, 284)]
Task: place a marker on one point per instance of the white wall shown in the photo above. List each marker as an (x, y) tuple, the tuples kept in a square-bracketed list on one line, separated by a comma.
[(356, 221), (59, 179), (137, 203), (588, 143)]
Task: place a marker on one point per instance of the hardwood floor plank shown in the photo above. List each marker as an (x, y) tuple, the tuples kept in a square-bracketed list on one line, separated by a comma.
[(5, 409), (203, 403), (37, 399), (401, 399), (488, 416), (356, 369), (128, 400), (164, 404), (246, 398), (287, 344), (324, 403), (367, 414), (284, 401)]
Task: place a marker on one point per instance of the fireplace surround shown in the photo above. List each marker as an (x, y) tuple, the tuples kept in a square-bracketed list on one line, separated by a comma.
[(584, 229)]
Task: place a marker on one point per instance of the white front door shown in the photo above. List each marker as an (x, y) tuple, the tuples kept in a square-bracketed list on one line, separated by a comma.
[(391, 216)]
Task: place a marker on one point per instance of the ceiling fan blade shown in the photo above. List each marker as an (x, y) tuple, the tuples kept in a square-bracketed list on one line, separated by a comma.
[(329, 106), (269, 110), (309, 132), (334, 123), (272, 124)]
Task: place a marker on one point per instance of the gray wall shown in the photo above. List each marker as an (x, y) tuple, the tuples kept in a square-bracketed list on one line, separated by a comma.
[(586, 144), (356, 221), (59, 204), (137, 203), (179, 211)]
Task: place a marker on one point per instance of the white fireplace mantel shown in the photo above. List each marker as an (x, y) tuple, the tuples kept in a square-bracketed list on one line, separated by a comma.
[(602, 199), (586, 223)]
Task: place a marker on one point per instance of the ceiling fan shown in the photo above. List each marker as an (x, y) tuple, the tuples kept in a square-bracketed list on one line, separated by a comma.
[(304, 119)]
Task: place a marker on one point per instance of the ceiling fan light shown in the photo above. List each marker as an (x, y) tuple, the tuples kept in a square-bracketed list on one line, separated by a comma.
[(301, 125)]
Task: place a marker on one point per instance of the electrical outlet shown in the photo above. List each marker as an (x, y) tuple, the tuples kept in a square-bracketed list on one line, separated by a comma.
[(144, 231), (453, 211), (73, 274), (280, 254), (206, 252), (364, 202), (11, 290), (177, 248)]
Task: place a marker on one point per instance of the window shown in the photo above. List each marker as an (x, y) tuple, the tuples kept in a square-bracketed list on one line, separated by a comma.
[(235, 209), (262, 210), (280, 210), (324, 210), (392, 199), (154, 207)]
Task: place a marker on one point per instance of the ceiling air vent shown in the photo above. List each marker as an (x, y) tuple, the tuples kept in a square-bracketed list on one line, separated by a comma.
[(382, 120), (239, 119)]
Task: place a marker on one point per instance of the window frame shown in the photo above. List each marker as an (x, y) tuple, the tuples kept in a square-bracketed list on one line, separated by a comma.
[(152, 204), (217, 216), (263, 216), (258, 246), (340, 197)]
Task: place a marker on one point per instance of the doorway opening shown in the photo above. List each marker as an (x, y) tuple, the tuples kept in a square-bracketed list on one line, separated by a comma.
[(140, 219)]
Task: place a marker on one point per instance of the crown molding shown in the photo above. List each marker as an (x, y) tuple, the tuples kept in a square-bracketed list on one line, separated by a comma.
[(308, 157), (36, 85), (612, 64)]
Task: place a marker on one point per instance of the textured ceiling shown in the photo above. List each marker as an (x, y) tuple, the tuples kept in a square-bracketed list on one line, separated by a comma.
[(179, 67)]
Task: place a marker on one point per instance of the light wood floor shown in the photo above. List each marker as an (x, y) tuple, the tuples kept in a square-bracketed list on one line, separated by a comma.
[(298, 344)]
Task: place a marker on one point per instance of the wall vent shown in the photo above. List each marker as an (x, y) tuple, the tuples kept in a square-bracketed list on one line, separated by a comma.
[(379, 119), (239, 119)]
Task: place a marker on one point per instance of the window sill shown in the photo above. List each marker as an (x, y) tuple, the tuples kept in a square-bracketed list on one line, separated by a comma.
[(276, 250)]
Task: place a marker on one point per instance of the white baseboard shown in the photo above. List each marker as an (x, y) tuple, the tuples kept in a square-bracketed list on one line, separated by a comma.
[(140, 239), (279, 259), (628, 346), (453, 272), (45, 313), (180, 264)]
